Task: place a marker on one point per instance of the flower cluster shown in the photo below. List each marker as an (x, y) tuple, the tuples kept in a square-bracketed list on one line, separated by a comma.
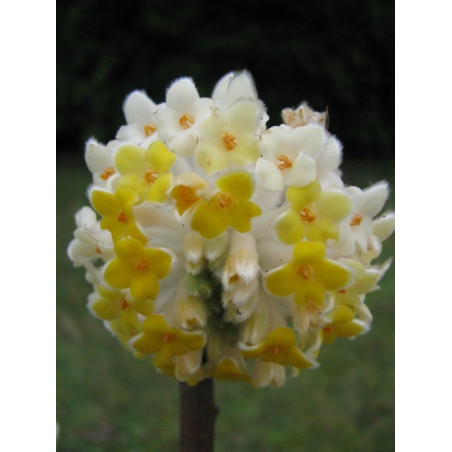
[(220, 247)]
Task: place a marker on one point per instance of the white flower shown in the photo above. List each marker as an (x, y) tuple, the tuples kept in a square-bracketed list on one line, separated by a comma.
[(289, 156), (178, 119), (99, 160), (141, 128)]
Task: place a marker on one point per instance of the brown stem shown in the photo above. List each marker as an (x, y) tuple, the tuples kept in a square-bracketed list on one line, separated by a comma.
[(197, 417)]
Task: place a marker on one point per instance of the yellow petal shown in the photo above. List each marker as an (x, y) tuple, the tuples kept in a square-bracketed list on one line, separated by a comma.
[(106, 309), (332, 275), (144, 307), (239, 215), (128, 248), (160, 157), (118, 274), (306, 290), (342, 314), (144, 286), (302, 197), (157, 324), (349, 329), (307, 253), (208, 220), (281, 282), (238, 185), (246, 151), (158, 190), (289, 227), (145, 343), (211, 158), (130, 159), (159, 261), (321, 229), (333, 205), (105, 203)]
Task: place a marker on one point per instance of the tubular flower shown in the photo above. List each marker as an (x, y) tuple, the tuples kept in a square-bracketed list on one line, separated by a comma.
[(228, 207), (313, 214), (137, 268), (145, 172), (309, 276), (224, 249), (159, 337), (117, 214)]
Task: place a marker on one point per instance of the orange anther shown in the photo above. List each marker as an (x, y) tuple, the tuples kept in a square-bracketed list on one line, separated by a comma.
[(149, 130), (229, 141), (356, 220), (276, 349), (283, 162), (122, 217), (234, 278), (150, 176), (186, 121), (342, 291), (107, 173), (224, 200), (328, 329), (304, 271), (167, 338), (142, 264), (124, 304), (307, 215), (98, 250)]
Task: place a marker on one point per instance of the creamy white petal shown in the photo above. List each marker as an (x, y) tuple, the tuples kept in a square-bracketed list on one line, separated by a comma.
[(302, 173), (138, 108), (181, 95), (384, 226), (374, 198), (268, 175)]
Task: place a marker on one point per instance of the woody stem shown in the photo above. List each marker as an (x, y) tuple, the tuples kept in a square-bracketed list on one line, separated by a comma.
[(197, 417)]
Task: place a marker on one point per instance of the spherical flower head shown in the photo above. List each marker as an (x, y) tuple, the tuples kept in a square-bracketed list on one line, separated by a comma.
[(223, 249)]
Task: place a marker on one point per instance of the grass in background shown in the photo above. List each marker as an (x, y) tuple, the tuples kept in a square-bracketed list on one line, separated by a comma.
[(109, 401)]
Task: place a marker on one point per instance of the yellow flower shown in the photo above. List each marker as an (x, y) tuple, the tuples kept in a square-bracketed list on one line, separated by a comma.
[(137, 268), (308, 276), (145, 171), (229, 369), (186, 191), (229, 207), (344, 324), (280, 346), (108, 304), (312, 214), (229, 138), (159, 337), (117, 215)]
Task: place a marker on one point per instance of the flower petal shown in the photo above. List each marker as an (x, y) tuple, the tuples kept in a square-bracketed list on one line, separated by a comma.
[(239, 185), (302, 197), (281, 281), (138, 108), (289, 227)]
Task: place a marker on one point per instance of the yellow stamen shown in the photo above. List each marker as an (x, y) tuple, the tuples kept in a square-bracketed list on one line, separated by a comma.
[(307, 215), (356, 220), (98, 250), (234, 278), (342, 291), (167, 338), (283, 162), (224, 200), (122, 217), (107, 173), (150, 176), (303, 271), (276, 349), (229, 141), (142, 264), (124, 304), (186, 121), (328, 329), (149, 130)]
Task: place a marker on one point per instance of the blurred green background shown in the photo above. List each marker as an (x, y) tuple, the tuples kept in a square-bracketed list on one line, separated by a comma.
[(335, 54)]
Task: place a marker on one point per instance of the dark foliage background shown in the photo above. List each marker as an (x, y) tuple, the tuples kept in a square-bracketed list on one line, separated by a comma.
[(333, 54)]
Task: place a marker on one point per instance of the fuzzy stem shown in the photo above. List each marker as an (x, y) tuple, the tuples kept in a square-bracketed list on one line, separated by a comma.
[(197, 417)]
